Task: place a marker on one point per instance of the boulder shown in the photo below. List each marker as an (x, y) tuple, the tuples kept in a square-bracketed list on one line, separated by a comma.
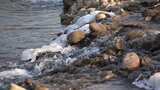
[(97, 29), (16, 87), (131, 61), (76, 37), (100, 16)]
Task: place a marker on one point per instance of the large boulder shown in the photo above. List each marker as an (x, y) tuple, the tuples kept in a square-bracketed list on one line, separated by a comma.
[(76, 37), (131, 61)]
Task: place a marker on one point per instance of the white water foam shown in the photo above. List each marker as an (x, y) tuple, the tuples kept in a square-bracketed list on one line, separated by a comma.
[(62, 52), (11, 74), (61, 46)]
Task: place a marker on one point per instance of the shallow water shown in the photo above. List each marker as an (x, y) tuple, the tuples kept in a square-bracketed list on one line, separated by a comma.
[(25, 24)]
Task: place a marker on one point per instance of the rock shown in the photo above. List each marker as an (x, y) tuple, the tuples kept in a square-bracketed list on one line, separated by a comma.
[(135, 34), (132, 76), (110, 75), (152, 14), (76, 37), (105, 3), (16, 87), (67, 4), (131, 61), (100, 16), (97, 29), (146, 61), (41, 87), (119, 43), (66, 19)]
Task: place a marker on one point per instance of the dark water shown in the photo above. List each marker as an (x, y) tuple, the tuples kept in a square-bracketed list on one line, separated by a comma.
[(26, 24)]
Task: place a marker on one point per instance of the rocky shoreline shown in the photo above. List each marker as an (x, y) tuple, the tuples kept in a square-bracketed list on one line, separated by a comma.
[(105, 40)]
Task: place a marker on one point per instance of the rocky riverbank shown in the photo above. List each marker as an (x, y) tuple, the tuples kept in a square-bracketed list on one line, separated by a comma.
[(105, 41)]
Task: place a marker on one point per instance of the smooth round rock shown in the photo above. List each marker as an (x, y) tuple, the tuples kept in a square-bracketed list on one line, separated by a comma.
[(100, 16), (76, 37), (97, 29), (131, 61)]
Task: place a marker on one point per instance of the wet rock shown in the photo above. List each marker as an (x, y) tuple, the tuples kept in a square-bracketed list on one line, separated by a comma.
[(132, 76), (67, 4), (16, 87), (110, 75), (100, 16), (105, 3), (146, 61), (97, 29), (135, 34), (152, 14), (28, 84), (40, 87), (131, 61), (66, 19), (76, 37), (119, 43)]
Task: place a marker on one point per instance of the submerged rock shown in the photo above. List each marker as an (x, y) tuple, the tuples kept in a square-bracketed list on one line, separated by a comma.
[(131, 61), (76, 37)]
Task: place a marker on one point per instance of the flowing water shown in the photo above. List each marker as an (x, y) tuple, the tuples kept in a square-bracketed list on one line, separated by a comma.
[(26, 24)]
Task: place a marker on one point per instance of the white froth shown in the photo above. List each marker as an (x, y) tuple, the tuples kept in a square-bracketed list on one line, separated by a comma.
[(14, 73), (61, 46)]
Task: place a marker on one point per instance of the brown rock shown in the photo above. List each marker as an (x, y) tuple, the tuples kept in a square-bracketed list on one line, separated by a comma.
[(131, 61), (16, 87), (110, 75), (152, 14), (41, 87), (119, 44), (100, 16), (97, 29), (76, 37), (135, 34)]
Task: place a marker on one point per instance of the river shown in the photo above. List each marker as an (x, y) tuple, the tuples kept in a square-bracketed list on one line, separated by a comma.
[(26, 24)]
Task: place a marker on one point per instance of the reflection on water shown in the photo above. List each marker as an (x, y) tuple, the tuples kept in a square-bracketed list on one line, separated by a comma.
[(25, 24)]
